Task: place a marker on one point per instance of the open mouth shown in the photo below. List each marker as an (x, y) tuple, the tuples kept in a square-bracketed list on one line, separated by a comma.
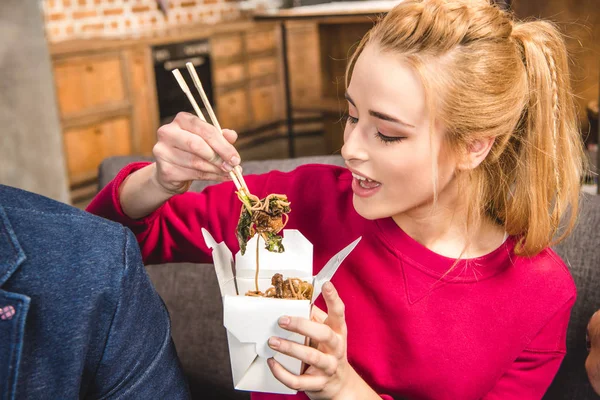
[(365, 182)]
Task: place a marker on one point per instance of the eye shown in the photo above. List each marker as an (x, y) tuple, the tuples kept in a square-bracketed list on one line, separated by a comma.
[(349, 119), (388, 139)]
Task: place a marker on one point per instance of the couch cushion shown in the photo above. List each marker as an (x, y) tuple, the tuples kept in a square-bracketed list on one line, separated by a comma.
[(111, 166), (581, 252)]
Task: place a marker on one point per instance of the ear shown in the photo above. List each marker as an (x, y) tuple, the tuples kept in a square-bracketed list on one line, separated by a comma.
[(475, 153)]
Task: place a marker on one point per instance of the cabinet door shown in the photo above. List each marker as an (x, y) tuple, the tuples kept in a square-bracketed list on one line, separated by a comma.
[(265, 104), (261, 67), (303, 56), (87, 146), (86, 84), (228, 75), (224, 47), (143, 95), (260, 41), (232, 109)]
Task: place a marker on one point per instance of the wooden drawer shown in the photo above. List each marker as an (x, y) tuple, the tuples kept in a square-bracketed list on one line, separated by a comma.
[(257, 42), (230, 74), (265, 104), (262, 66), (85, 84), (86, 147), (232, 109), (223, 47)]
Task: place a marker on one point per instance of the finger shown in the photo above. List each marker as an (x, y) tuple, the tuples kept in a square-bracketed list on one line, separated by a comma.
[(174, 136), (315, 331), (306, 383), (318, 315), (230, 135), (215, 139), (336, 317), (184, 159), (325, 362)]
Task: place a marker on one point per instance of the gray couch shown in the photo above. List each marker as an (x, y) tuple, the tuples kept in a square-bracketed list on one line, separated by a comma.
[(192, 296)]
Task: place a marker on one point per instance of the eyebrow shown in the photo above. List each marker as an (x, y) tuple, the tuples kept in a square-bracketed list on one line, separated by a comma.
[(380, 115)]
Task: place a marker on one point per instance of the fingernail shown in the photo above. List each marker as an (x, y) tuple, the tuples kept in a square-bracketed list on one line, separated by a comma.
[(271, 362), (274, 342), (284, 321), (328, 287), (226, 166), (235, 160)]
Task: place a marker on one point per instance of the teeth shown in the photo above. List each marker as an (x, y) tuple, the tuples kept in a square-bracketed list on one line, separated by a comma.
[(361, 178), (364, 185)]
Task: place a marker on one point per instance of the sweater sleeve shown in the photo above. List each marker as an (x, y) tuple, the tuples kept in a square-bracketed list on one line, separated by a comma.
[(172, 233), (532, 372)]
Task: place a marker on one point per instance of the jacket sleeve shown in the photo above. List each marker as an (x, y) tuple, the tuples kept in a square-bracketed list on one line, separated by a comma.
[(173, 233), (532, 372), (139, 359)]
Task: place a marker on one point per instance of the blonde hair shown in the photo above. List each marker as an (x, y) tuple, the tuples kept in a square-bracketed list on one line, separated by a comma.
[(502, 79)]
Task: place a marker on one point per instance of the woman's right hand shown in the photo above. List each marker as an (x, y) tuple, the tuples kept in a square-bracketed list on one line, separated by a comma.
[(190, 149)]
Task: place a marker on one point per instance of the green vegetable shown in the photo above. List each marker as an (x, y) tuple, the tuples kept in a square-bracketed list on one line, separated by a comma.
[(247, 228)]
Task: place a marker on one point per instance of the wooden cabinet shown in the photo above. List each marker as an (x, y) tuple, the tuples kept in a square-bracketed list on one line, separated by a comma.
[(261, 67), (233, 110), (107, 104), (258, 41), (230, 74), (264, 101), (85, 84), (227, 46), (87, 146), (303, 57), (247, 78)]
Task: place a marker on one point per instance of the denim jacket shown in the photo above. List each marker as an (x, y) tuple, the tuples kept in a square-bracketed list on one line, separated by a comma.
[(79, 317)]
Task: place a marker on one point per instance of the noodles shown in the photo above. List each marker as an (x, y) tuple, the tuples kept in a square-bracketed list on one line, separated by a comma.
[(291, 288), (268, 217)]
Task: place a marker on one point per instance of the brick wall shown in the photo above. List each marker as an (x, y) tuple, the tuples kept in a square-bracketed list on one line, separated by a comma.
[(77, 19)]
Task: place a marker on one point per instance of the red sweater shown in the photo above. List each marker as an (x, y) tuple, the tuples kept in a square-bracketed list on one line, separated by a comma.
[(494, 328)]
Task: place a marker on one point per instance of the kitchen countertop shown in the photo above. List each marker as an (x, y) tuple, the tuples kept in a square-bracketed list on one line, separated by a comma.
[(335, 9)]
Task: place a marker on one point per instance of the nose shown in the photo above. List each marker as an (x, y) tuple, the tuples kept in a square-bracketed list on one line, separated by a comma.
[(355, 146)]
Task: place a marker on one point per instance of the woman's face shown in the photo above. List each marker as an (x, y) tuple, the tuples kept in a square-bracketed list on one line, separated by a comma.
[(387, 141)]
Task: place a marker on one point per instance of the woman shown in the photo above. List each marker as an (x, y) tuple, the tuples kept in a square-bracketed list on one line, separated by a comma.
[(462, 156)]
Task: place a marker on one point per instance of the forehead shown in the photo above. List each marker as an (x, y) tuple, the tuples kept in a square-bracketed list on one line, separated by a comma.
[(385, 82)]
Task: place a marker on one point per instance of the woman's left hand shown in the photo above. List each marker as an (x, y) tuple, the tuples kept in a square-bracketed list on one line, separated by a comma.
[(329, 375)]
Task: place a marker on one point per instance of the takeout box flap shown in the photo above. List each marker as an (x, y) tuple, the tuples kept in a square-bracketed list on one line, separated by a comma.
[(223, 262), (245, 354), (254, 319), (330, 268), (259, 373), (250, 322)]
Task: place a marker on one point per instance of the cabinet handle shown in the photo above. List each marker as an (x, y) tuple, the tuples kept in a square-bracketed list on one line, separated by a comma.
[(97, 131), (89, 68)]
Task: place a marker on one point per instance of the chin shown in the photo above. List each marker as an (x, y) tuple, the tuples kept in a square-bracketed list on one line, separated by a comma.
[(369, 209)]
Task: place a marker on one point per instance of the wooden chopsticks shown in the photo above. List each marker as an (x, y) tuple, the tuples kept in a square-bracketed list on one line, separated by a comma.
[(236, 173)]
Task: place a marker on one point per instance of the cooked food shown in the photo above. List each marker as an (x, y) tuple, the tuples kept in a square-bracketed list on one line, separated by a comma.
[(291, 288), (267, 217)]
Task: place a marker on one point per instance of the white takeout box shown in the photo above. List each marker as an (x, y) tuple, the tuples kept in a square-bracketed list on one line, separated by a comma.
[(251, 321)]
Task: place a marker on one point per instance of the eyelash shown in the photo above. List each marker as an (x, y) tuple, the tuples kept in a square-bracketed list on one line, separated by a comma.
[(385, 139)]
